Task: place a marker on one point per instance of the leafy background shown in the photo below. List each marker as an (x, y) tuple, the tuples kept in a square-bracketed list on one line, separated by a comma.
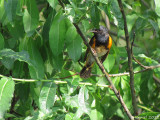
[(40, 48)]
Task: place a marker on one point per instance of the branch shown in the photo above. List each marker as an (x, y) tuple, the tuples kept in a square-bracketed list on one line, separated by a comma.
[(145, 67), (55, 81), (134, 103), (105, 74), (127, 73)]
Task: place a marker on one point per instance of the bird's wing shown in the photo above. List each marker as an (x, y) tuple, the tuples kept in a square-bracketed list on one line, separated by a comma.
[(91, 42)]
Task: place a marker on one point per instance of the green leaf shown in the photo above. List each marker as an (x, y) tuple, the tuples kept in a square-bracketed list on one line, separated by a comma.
[(69, 116), (10, 9), (116, 11), (96, 115), (53, 3), (137, 78), (126, 91), (106, 9), (37, 69), (47, 25), (2, 9), (71, 101), (19, 10), (60, 117), (157, 9), (110, 105), (70, 37), (109, 62), (145, 86), (159, 22), (6, 94), (96, 112), (75, 48), (21, 56), (35, 91), (47, 97), (23, 94), (8, 115), (18, 69), (8, 62), (58, 62), (16, 31), (1, 42), (155, 26), (30, 17), (83, 106), (95, 16), (137, 4), (57, 34), (37, 115), (140, 23)]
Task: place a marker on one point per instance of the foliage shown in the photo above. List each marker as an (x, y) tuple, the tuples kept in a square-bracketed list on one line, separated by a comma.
[(39, 41)]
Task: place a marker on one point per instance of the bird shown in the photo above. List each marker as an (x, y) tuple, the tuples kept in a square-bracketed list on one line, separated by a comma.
[(100, 43)]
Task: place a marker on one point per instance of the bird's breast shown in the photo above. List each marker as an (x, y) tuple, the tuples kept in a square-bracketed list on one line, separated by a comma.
[(100, 50)]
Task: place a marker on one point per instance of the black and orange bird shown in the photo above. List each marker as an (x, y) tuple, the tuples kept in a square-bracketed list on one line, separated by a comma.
[(101, 43)]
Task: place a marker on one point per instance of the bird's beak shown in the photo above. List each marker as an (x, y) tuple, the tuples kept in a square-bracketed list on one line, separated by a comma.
[(93, 31)]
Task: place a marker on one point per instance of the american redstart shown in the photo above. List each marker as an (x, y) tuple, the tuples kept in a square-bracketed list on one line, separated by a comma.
[(101, 43)]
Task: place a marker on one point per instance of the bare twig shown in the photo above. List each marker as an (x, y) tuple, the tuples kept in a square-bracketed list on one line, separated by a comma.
[(145, 67), (134, 103), (133, 55), (134, 34)]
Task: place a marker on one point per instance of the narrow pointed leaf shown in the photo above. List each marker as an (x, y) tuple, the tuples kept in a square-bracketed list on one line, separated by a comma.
[(6, 94), (116, 11), (47, 25), (47, 97), (95, 16), (57, 34), (10, 8), (37, 69), (75, 48), (31, 17), (2, 9)]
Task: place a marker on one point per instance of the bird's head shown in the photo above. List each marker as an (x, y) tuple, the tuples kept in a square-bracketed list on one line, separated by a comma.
[(101, 31)]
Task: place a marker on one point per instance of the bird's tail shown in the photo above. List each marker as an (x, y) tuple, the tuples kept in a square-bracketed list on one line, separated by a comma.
[(86, 70)]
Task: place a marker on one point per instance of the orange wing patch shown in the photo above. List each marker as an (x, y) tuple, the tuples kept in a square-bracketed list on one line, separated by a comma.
[(109, 43)]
